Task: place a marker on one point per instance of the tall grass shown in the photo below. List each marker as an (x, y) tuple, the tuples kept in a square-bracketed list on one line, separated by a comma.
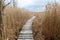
[(51, 26), (13, 20), (47, 25), (37, 26), (0, 21)]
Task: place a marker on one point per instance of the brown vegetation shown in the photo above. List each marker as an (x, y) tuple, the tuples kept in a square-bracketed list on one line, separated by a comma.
[(13, 20), (51, 25), (37, 26), (48, 26)]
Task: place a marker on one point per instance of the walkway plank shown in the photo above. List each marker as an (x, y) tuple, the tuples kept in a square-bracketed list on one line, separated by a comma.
[(26, 33)]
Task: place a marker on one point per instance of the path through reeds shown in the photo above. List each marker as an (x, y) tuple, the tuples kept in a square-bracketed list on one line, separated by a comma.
[(26, 32)]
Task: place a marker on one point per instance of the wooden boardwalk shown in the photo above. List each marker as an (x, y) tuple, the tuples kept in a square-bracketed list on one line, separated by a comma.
[(26, 32)]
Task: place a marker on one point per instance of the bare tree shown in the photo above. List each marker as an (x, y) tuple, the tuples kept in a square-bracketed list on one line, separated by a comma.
[(14, 3)]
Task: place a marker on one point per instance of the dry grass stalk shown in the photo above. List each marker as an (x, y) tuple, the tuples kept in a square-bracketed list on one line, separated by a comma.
[(50, 25), (14, 19)]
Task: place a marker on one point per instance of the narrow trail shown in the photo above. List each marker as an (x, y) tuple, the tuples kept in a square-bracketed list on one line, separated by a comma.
[(26, 32)]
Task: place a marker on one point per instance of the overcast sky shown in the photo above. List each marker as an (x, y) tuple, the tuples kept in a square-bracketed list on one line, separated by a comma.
[(33, 5)]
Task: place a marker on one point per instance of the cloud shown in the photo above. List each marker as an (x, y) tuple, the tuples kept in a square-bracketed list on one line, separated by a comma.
[(33, 5), (23, 3), (35, 8)]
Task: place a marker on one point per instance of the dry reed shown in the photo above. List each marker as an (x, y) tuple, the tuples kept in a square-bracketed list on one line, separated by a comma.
[(47, 25), (13, 20)]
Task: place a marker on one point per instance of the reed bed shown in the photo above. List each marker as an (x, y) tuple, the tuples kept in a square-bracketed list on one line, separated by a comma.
[(13, 21), (46, 26), (37, 26)]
